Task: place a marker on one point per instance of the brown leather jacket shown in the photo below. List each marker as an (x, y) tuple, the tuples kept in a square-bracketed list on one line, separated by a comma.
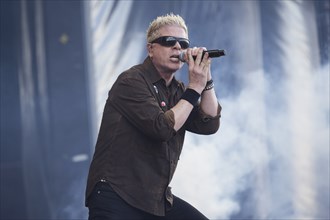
[(137, 148)]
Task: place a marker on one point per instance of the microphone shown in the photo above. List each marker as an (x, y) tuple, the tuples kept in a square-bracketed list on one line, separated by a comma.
[(212, 53)]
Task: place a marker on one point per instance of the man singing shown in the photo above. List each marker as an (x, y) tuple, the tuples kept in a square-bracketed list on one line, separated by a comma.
[(142, 132)]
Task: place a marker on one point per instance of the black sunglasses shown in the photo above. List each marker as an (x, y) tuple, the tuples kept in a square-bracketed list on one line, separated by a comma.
[(169, 41)]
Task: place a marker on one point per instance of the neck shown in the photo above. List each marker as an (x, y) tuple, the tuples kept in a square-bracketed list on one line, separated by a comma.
[(168, 77)]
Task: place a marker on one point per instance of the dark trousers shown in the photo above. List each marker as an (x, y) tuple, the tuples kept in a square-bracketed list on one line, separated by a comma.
[(105, 204)]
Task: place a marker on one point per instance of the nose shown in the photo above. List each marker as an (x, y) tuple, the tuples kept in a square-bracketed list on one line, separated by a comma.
[(177, 45)]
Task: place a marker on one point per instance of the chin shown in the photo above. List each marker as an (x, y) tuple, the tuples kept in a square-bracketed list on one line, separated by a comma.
[(176, 66), (171, 67)]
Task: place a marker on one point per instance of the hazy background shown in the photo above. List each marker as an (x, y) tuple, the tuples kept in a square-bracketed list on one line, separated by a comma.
[(270, 158)]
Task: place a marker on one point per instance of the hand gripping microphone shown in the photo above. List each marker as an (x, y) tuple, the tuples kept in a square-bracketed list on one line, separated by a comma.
[(212, 53)]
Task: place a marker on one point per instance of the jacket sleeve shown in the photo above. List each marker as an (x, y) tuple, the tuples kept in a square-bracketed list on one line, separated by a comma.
[(201, 123), (133, 98)]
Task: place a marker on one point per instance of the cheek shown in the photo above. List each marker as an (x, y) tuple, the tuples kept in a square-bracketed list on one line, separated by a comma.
[(160, 56)]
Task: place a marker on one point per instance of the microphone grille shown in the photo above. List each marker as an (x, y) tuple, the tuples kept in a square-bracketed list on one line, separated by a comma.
[(181, 56)]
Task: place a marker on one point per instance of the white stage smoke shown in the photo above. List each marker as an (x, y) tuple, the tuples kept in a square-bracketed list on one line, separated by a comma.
[(273, 143)]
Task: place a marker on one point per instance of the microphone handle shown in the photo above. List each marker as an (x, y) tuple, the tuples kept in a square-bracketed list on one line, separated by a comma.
[(213, 53)]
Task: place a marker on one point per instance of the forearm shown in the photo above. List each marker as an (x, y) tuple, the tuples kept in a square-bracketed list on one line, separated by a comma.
[(209, 103), (181, 113), (209, 106)]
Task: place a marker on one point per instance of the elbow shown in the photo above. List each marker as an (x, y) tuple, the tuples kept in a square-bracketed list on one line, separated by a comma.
[(211, 125), (214, 130)]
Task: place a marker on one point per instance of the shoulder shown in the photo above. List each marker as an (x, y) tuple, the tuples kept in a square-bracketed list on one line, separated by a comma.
[(131, 79), (132, 73)]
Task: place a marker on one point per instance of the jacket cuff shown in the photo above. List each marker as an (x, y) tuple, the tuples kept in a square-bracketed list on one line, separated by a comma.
[(169, 116)]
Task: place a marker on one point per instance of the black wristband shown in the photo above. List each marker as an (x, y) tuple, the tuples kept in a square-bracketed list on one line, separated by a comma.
[(191, 96)]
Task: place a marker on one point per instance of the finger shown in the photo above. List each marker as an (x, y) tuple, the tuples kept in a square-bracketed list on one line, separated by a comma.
[(199, 56), (190, 57), (207, 64), (194, 51), (206, 57)]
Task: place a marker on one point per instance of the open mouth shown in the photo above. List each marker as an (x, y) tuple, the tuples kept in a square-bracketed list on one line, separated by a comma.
[(175, 56)]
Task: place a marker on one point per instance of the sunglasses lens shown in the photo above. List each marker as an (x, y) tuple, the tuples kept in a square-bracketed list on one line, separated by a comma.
[(184, 44), (168, 41)]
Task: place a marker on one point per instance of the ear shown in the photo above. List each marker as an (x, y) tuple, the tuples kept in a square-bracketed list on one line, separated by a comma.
[(149, 48)]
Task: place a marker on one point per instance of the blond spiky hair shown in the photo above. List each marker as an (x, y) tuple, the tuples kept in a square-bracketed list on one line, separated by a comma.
[(169, 19)]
